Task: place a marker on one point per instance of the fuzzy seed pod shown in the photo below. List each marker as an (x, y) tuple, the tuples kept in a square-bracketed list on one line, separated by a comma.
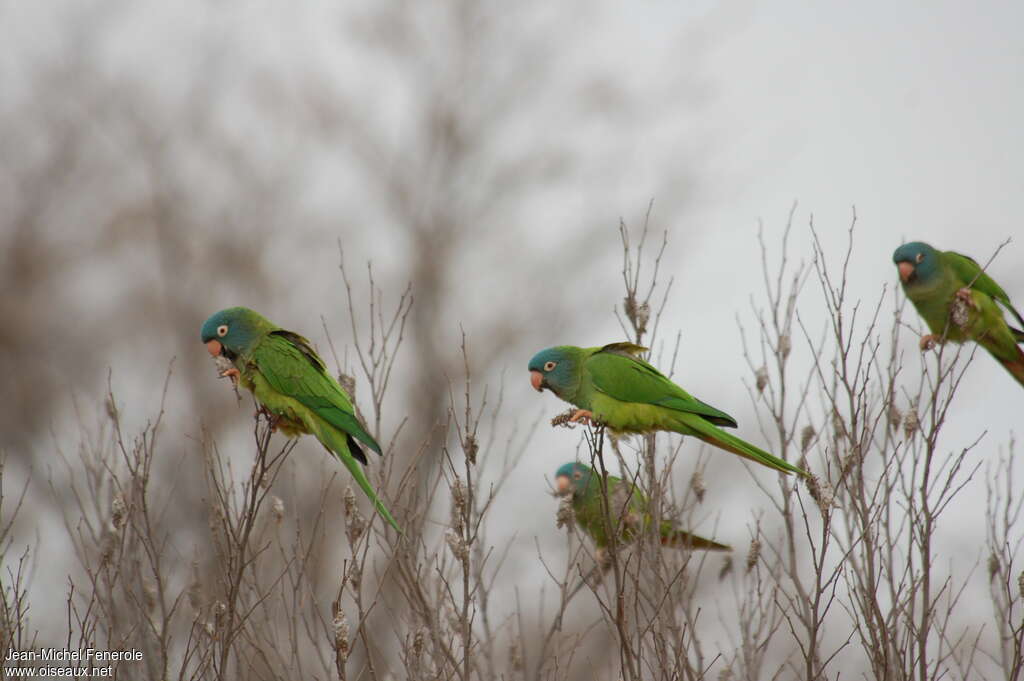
[(355, 523), (118, 512), (784, 346), (806, 438), (753, 554), (565, 516), (457, 545), (910, 421), (993, 567), (697, 485), (761, 379)]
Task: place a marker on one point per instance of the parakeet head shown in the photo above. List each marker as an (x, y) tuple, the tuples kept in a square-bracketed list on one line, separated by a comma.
[(916, 261), (230, 332), (572, 477), (556, 369)]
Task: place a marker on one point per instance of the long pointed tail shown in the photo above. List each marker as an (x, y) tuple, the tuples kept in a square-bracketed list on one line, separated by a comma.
[(341, 448), (730, 443), (1015, 366), (678, 538)]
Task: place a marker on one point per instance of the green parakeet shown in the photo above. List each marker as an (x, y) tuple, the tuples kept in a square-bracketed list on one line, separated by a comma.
[(960, 302), (289, 379), (613, 386), (627, 502)]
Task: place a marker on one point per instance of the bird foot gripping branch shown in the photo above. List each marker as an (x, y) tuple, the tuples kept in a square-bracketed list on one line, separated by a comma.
[(272, 418), (965, 295), (231, 373), (583, 416), (929, 341)]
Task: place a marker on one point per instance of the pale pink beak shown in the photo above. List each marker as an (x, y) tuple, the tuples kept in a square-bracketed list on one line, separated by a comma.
[(213, 347), (535, 380), (563, 483), (906, 269)]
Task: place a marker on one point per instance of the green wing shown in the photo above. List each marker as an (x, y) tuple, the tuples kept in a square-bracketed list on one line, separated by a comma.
[(293, 368), (630, 379), (968, 270)]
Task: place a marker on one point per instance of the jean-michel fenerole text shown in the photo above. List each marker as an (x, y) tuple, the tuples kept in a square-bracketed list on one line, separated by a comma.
[(72, 655)]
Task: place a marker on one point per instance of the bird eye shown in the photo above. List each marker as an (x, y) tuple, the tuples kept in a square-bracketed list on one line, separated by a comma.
[(548, 366), (919, 258), (577, 475), (222, 330)]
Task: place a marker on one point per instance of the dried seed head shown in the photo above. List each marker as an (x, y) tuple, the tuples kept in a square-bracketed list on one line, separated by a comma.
[(223, 364), (761, 379), (838, 425), (993, 567), (895, 416), (355, 574), (419, 642), (515, 657), (216, 519), (806, 438), (219, 610), (565, 516), (638, 314), (118, 512), (355, 523), (470, 448), (854, 457), (277, 508), (348, 383), (959, 312), (821, 492), (564, 420), (784, 346), (753, 554), (726, 568), (458, 505), (457, 545), (697, 485), (910, 421), (108, 544), (340, 626)]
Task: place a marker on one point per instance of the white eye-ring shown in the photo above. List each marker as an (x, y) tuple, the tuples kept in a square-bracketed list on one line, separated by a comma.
[(222, 330), (548, 366), (919, 258)]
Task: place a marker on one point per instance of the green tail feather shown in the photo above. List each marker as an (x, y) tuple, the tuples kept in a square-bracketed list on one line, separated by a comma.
[(678, 538), (719, 438), (1015, 367), (357, 471)]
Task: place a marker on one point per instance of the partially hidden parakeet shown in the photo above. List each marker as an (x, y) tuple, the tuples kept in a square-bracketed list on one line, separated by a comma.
[(960, 302), (287, 377), (614, 386), (625, 501)]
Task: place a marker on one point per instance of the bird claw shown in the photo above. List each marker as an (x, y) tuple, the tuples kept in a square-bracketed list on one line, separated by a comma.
[(582, 416), (272, 418), (965, 295), (231, 373), (929, 341)]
